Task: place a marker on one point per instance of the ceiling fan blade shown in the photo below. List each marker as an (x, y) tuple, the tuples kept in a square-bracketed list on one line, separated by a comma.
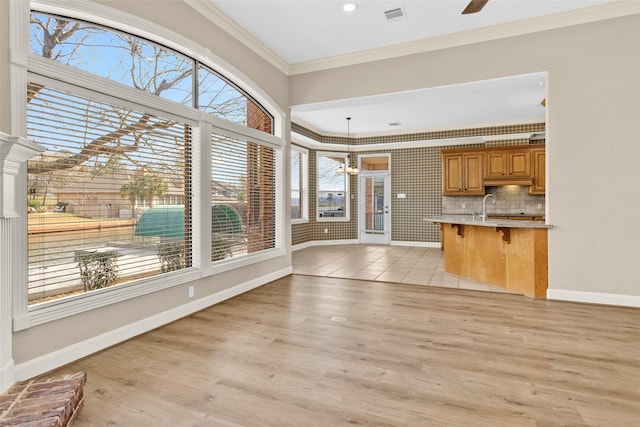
[(474, 6)]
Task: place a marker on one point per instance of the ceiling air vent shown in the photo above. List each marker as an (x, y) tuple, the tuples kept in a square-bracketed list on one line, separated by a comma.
[(395, 14)]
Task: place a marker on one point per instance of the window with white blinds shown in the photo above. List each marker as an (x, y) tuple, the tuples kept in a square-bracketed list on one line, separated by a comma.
[(112, 207), (243, 197), (110, 198)]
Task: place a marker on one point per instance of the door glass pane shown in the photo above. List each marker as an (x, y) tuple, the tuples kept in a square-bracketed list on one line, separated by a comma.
[(374, 205)]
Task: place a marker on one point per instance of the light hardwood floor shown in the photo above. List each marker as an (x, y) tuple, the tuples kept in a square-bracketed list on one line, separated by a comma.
[(405, 355)]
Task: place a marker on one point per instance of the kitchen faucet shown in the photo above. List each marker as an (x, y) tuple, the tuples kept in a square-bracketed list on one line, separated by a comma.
[(484, 205)]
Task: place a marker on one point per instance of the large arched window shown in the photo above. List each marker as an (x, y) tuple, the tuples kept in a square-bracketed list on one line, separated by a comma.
[(144, 65), (132, 130)]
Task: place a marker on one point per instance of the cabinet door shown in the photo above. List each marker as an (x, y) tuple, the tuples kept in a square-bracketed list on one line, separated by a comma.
[(473, 174), (519, 163), (495, 164), (452, 176), (538, 158), (508, 164)]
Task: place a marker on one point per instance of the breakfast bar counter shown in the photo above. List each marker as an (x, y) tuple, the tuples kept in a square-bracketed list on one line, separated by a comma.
[(511, 254)]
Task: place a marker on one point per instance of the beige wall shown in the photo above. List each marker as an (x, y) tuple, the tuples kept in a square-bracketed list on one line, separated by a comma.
[(593, 141), (5, 120), (35, 347)]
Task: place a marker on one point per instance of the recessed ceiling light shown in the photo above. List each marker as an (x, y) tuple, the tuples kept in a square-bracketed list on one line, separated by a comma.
[(349, 7)]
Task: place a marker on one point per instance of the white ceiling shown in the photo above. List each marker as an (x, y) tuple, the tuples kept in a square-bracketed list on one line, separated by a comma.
[(305, 32), (493, 102)]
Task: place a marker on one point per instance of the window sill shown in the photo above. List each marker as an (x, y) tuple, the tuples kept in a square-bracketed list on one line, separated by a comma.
[(232, 264), (58, 309), (299, 221), (337, 219)]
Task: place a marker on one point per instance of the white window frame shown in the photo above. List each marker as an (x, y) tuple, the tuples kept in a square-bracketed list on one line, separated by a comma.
[(304, 185), (25, 65), (347, 193)]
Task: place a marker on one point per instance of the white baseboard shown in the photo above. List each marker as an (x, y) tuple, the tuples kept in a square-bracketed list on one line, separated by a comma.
[(76, 351), (7, 376), (323, 243), (594, 297)]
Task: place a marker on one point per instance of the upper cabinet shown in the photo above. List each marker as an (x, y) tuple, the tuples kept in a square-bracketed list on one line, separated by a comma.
[(538, 164), (462, 174), (468, 171), (507, 164)]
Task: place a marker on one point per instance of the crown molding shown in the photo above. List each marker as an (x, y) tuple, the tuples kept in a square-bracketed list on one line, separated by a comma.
[(515, 28), (585, 15), (219, 18)]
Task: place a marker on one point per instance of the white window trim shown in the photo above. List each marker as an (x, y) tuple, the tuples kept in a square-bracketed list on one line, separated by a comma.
[(347, 193), (25, 316), (304, 185), (221, 266)]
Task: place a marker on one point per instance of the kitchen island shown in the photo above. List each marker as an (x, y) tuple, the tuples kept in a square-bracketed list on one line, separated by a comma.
[(510, 254)]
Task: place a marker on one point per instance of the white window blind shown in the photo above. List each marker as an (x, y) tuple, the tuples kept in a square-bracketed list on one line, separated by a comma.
[(110, 198), (243, 188)]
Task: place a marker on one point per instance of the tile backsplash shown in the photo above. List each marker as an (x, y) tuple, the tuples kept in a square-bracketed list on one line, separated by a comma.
[(510, 199)]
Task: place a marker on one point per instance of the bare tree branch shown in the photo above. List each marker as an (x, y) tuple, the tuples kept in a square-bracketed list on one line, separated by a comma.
[(100, 145)]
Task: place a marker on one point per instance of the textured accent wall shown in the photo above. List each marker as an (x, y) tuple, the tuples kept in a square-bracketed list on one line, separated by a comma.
[(420, 136), (416, 172)]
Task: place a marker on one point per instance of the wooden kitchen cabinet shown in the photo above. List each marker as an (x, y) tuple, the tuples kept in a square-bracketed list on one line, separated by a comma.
[(538, 166), (462, 174), (467, 171), (507, 164)]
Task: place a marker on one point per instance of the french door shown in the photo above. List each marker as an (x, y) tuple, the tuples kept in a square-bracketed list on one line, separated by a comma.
[(374, 207)]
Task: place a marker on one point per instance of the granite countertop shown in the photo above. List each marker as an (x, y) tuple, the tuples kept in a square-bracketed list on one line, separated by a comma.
[(469, 220)]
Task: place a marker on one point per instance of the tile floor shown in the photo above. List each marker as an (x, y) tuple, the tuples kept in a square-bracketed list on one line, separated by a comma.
[(399, 264)]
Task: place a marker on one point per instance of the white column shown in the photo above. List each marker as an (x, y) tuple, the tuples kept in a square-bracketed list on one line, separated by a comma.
[(14, 152), (6, 360), (7, 377)]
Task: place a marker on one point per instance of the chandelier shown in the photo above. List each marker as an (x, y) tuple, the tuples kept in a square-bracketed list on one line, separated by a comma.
[(346, 167)]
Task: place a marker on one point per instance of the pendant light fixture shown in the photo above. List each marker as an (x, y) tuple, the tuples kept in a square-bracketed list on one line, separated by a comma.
[(346, 167)]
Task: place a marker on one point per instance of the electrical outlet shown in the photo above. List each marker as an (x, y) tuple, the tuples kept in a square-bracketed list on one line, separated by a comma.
[(464, 205), (539, 205), (191, 291), (326, 230)]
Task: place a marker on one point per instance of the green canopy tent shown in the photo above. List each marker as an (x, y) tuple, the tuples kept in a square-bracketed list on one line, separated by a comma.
[(168, 221), (225, 220)]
